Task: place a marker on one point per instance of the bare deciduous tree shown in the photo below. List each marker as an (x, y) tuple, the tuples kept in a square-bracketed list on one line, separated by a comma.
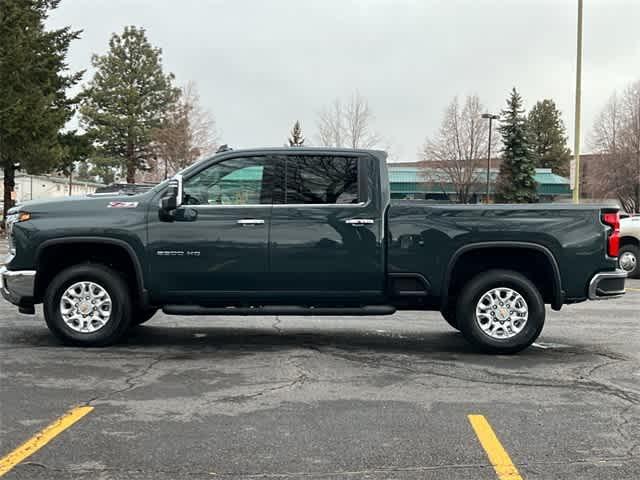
[(458, 150), (616, 137), (188, 133), (347, 124)]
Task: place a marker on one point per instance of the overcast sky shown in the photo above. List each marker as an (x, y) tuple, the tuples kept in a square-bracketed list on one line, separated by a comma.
[(260, 65)]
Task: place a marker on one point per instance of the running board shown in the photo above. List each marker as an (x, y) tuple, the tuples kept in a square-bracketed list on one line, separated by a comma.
[(279, 310)]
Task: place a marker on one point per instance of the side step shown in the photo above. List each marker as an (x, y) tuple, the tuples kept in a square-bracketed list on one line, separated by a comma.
[(279, 310)]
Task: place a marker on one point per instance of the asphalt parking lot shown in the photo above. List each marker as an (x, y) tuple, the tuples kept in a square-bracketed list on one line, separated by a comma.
[(328, 398)]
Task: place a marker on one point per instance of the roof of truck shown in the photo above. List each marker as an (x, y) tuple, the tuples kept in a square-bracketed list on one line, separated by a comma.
[(304, 150)]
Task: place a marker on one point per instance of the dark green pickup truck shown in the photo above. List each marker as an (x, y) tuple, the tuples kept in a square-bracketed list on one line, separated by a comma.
[(303, 231)]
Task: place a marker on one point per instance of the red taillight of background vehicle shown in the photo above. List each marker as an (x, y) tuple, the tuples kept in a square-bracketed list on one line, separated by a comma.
[(613, 244)]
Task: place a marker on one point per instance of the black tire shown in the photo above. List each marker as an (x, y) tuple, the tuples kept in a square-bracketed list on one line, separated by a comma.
[(449, 314), (635, 251), (141, 315), (110, 281), (473, 291)]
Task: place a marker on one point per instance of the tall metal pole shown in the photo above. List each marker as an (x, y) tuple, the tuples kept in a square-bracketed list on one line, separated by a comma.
[(489, 158), (576, 144), (491, 117)]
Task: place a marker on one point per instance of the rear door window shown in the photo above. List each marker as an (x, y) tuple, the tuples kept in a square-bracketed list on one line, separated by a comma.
[(321, 180)]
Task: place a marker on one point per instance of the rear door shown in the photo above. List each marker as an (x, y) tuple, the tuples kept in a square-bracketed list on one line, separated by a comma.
[(327, 232)]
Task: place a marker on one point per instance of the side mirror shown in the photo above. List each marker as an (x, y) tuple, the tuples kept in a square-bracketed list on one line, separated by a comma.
[(172, 198)]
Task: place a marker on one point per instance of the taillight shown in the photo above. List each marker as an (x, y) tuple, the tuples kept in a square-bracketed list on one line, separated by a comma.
[(613, 243)]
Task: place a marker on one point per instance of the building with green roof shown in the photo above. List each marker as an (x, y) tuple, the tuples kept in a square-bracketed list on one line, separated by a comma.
[(433, 184)]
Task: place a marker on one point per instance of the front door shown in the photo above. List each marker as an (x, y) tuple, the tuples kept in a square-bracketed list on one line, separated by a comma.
[(327, 230), (216, 249)]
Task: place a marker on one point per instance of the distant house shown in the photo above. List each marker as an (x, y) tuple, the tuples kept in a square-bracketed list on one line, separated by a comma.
[(36, 187)]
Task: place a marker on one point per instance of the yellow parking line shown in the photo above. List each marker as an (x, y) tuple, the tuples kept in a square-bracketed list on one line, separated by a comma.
[(498, 456), (39, 440)]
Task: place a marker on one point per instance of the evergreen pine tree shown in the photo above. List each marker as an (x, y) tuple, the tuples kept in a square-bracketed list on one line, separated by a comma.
[(516, 183), (127, 99), (296, 139), (34, 79), (548, 138), (75, 150)]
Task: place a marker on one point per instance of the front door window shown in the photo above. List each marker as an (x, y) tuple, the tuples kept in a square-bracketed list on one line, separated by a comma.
[(237, 181)]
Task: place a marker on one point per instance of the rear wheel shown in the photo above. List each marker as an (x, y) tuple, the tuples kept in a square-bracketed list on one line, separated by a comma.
[(500, 311), (628, 259), (87, 305)]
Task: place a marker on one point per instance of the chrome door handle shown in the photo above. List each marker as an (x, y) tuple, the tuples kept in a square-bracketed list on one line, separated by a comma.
[(250, 221), (359, 221)]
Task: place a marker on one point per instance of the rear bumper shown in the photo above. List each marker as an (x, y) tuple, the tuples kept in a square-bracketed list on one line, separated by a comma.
[(607, 285), (17, 286)]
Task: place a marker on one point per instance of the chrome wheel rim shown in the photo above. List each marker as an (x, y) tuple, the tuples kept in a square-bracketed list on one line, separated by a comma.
[(85, 307), (628, 261), (502, 313)]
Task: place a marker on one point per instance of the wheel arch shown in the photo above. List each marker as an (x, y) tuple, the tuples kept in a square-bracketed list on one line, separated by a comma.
[(629, 240), (556, 296), (126, 251)]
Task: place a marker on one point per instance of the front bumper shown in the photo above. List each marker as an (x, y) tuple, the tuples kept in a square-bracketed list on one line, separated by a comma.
[(607, 285), (17, 286)]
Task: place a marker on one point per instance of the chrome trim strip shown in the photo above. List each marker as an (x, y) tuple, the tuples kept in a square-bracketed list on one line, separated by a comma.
[(179, 179), (598, 277), (280, 205)]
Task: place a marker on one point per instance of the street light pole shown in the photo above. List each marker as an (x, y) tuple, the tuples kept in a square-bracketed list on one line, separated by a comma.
[(576, 134), (491, 118)]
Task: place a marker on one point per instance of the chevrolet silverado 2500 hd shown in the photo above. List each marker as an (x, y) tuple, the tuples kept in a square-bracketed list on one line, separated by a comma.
[(303, 231)]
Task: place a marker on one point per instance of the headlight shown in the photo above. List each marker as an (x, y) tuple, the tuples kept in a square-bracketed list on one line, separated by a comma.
[(11, 220), (18, 217)]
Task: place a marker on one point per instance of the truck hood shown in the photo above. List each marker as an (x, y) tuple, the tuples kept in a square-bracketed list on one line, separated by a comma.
[(57, 204)]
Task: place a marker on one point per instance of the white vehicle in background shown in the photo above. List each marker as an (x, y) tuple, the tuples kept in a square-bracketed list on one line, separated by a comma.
[(629, 257)]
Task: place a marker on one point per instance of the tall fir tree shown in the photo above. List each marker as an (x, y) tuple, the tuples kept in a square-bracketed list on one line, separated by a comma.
[(548, 137), (296, 139), (127, 100), (516, 183), (34, 79), (75, 150)]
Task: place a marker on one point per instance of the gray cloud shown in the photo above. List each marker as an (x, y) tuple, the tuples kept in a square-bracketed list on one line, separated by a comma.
[(260, 65)]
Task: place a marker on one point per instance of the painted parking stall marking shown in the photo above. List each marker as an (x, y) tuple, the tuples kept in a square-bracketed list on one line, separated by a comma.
[(43, 437), (498, 456)]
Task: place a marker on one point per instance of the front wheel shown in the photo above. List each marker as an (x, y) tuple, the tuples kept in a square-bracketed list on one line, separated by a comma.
[(87, 305), (500, 311)]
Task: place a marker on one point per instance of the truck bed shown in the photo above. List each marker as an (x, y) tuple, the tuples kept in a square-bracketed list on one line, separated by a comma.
[(428, 238)]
